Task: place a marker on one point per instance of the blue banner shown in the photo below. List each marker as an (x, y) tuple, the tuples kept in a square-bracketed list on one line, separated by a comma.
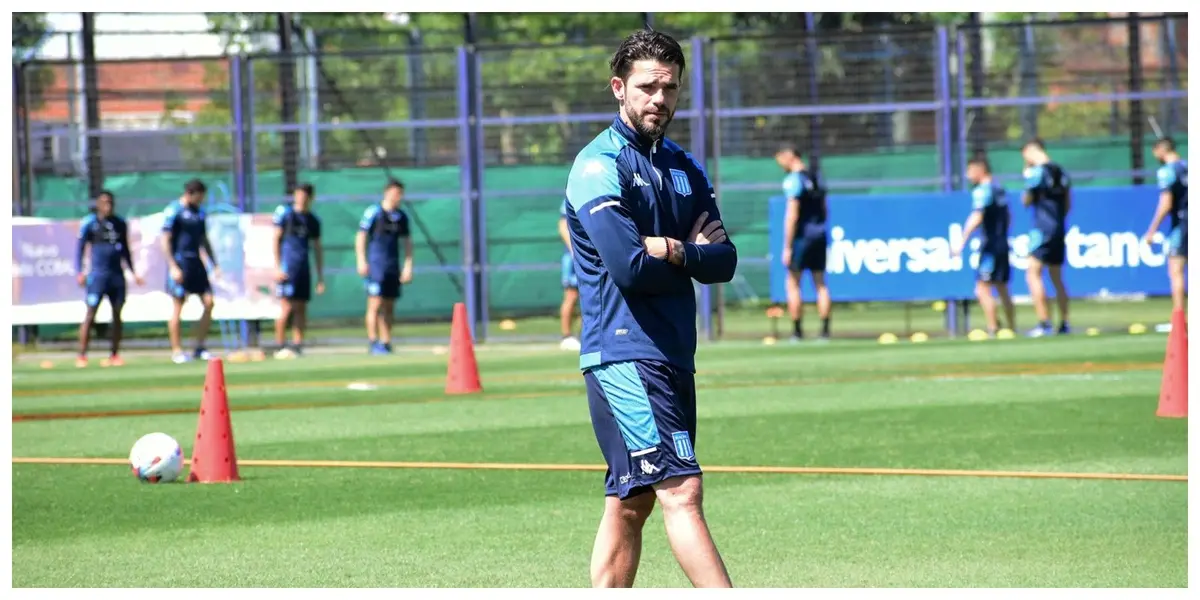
[(897, 247)]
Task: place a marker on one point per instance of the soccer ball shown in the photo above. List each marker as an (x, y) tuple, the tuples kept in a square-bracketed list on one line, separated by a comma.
[(156, 458)]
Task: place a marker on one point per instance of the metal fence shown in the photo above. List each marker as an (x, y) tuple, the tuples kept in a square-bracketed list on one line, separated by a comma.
[(483, 136)]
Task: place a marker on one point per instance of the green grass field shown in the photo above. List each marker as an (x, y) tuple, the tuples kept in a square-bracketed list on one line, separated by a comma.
[(1065, 405)]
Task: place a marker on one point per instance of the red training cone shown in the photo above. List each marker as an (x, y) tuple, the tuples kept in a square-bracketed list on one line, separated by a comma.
[(213, 458), (1172, 397), (462, 375)]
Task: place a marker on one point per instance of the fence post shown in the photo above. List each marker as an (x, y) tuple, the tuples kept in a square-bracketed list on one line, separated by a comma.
[(467, 151), (236, 96), (960, 56), (714, 73), (1171, 49), (251, 138), (1136, 116), (942, 83), (700, 153)]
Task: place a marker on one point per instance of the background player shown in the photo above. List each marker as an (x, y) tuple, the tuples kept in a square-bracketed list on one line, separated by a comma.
[(644, 224), (1172, 200), (377, 247), (570, 284), (108, 237), (1048, 191), (185, 236), (805, 239), (989, 213), (296, 227)]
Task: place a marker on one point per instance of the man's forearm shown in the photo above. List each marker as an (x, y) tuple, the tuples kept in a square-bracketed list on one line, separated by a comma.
[(710, 263), (166, 248)]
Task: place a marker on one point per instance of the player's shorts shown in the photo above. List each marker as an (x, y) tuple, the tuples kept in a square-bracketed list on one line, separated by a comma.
[(1177, 242), (808, 253), (105, 285), (993, 267), (1050, 249), (298, 286), (644, 416), (195, 280), (386, 286), (569, 280)]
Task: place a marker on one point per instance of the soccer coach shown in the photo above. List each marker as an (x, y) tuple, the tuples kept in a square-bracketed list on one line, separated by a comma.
[(644, 223)]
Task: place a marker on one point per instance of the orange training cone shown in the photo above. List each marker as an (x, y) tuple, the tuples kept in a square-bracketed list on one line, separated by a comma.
[(462, 375), (213, 458), (1172, 398)]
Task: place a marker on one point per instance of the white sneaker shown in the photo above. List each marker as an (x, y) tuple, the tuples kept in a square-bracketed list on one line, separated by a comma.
[(180, 357), (570, 343), (284, 354)]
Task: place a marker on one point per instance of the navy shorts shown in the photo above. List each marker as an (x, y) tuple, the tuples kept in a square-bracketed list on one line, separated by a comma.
[(195, 280), (386, 287), (808, 254), (644, 416), (1050, 249), (569, 280), (993, 267), (298, 286), (1177, 242), (105, 285)]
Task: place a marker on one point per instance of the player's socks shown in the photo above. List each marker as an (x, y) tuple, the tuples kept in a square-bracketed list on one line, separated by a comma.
[(825, 327), (797, 329)]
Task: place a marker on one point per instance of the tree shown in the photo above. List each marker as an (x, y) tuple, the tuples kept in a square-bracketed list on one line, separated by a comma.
[(29, 32)]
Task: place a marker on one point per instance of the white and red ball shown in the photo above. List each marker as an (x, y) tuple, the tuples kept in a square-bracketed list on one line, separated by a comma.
[(156, 458)]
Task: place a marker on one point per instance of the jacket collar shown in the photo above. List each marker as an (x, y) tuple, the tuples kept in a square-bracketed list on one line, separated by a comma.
[(635, 139)]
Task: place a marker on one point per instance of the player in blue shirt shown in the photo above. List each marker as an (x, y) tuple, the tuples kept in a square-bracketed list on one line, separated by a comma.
[(989, 214), (185, 237), (570, 285), (296, 230), (377, 246), (107, 235), (1048, 191), (805, 238), (644, 224), (1172, 200)]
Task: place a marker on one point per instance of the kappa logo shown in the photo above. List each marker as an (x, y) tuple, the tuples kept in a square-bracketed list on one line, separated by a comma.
[(683, 186), (638, 181), (648, 468)]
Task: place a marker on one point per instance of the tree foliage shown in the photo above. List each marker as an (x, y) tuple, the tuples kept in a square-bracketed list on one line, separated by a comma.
[(29, 31), (556, 64)]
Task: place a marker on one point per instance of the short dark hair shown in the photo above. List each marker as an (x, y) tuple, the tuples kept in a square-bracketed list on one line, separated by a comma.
[(982, 161), (1036, 142), (195, 186), (1166, 142), (789, 147), (646, 44), (392, 182), (307, 188), (103, 193)]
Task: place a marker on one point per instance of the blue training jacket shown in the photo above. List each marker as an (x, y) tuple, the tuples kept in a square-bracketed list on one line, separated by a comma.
[(634, 306)]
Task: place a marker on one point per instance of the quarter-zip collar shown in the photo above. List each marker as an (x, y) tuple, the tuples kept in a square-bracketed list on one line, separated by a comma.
[(641, 142)]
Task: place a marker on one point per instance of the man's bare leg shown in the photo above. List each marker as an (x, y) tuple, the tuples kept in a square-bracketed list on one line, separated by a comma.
[(1060, 293), (205, 321), (1010, 312), (618, 547), (372, 318), (1177, 266), (983, 292), (795, 303), (566, 311), (286, 314), (824, 301), (387, 315), (299, 322), (174, 326), (682, 500)]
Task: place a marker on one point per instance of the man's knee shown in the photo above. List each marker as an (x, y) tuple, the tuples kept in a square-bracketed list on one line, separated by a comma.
[(634, 510), (207, 301), (684, 493)]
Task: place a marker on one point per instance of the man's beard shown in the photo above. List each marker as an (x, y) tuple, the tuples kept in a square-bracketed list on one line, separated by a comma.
[(653, 132)]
